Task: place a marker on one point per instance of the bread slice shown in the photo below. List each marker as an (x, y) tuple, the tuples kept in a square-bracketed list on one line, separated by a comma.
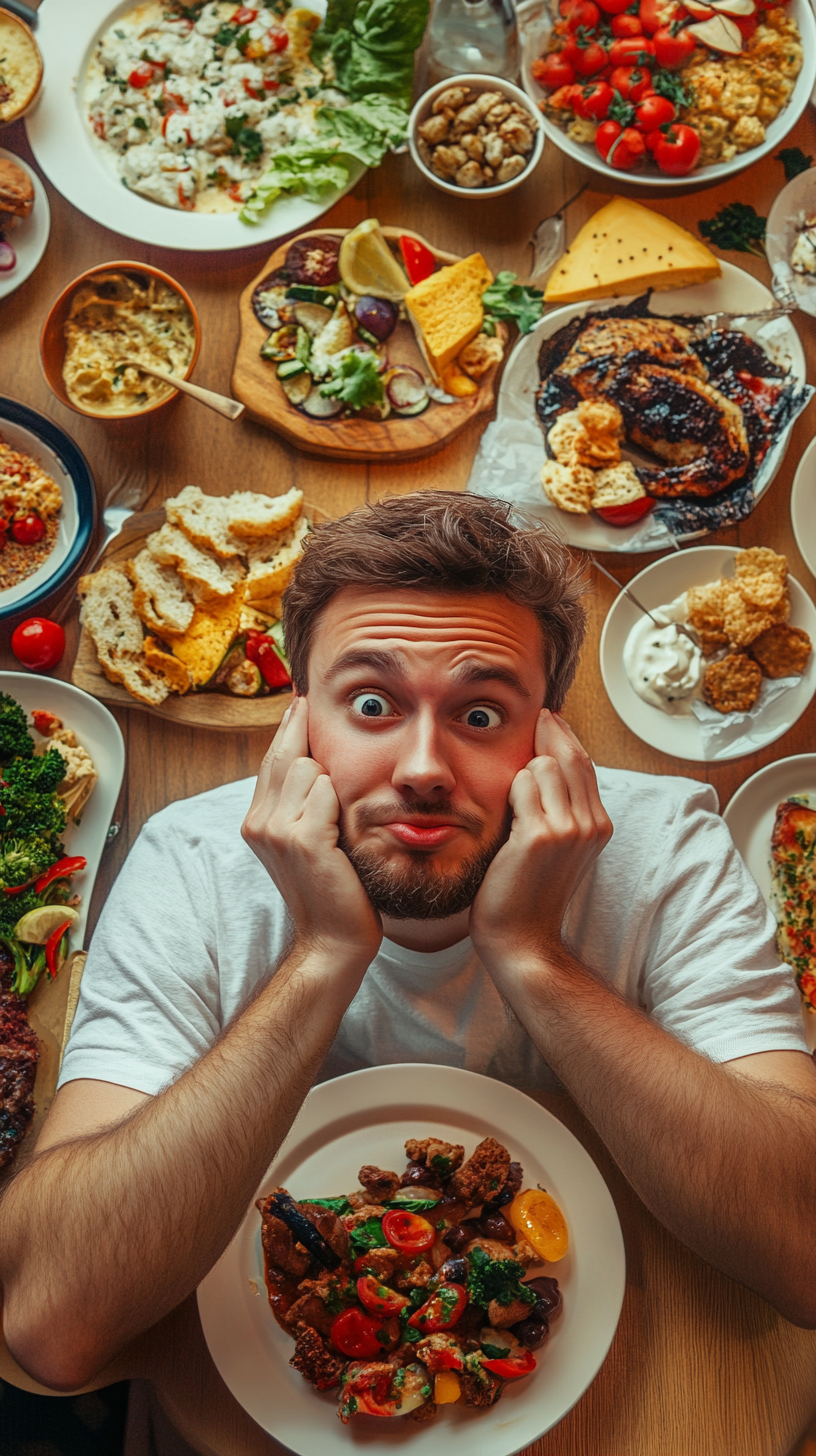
[(159, 596), (207, 579), (250, 515), (109, 617), (257, 618), (163, 662), (204, 519), (271, 563), (208, 637)]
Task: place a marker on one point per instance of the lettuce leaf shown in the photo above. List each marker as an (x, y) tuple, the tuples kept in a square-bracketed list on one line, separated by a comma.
[(371, 44), (305, 167)]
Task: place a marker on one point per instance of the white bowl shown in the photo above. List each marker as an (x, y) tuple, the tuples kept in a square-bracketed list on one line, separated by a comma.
[(534, 28), (478, 83)]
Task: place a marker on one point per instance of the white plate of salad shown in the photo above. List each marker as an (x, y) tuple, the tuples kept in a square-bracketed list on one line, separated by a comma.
[(211, 126), (365, 1118)]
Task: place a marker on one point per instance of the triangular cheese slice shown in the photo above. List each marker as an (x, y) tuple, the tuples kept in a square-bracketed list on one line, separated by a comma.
[(626, 248)]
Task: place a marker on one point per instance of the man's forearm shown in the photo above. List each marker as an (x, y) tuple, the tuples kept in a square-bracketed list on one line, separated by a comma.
[(102, 1236), (728, 1164)]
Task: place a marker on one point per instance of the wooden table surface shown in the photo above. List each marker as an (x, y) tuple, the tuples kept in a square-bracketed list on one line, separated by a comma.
[(698, 1365)]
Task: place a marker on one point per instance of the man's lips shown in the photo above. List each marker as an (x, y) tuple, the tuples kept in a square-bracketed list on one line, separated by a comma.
[(424, 833)]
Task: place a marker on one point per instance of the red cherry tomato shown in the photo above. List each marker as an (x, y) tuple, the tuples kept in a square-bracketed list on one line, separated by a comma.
[(141, 76), (656, 13), (260, 649), (441, 1311), (278, 38), (378, 1299), (566, 98), (653, 112), (407, 1231), (585, 59), (625, 25), (672, 51), (678, 150), (605, 137), (627, 514), (29, 529), (253, 91), (553, 71), (596, 99), (633, 82), (512, 1366), (580, 14), (38, 643), (627, 150), (356, 1334), (651, 139), (419, 261), (634, 51), (746, 25), (3, 533), (244, 16), (614, 7)]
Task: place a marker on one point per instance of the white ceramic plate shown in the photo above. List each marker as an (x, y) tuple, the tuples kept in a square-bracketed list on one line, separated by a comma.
[(513, 470), (661, 583), (30, 237), (98, 731), (61, 142), (803, 507), (366, 1117), (792, 205), (750, 817), (534, 28)]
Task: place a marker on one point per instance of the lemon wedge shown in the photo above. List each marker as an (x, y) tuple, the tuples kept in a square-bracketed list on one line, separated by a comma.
[(367, 265), (536, 1216), (37, 925)]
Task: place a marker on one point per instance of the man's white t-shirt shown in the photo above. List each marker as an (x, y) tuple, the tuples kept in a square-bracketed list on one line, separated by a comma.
[(669, 916)]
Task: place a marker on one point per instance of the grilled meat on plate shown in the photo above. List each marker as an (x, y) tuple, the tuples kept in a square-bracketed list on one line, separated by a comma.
[(19, 1054)]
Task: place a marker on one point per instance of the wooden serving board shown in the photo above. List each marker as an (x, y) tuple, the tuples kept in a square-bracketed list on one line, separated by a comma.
[(196, 710), (398, 438)]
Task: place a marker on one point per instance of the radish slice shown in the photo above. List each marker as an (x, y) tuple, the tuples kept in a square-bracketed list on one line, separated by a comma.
[(734, 7), (321, 406), (698, 10), (406, 388), (719, 33), (8, 257)]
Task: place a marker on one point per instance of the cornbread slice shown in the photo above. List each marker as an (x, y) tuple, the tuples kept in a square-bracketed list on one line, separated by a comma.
[(109, 617), (269, 573), (210, 633), (627, 248), (159, 596), (163, 662), (251, 515), (204, 519), (207, 578), (446, 309)]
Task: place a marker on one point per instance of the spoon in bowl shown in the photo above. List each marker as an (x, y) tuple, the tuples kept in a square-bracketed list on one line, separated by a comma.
[(222, 405)]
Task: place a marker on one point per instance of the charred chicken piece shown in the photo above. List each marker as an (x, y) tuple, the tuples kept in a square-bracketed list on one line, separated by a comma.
[(380, 1184), (19, 1055), (439, 1157), (484, 1173), (315, 1361)]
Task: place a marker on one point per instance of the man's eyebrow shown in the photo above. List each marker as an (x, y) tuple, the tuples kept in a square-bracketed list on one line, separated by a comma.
[(381, 662), (483, 672)]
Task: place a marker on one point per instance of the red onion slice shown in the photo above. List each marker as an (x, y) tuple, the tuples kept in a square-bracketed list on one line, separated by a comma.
[(8, 257)]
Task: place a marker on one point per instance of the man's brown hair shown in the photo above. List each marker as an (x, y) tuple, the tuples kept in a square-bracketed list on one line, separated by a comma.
[(442, 541)]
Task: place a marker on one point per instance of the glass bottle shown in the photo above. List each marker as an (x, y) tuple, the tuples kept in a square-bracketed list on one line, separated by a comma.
[(473, 35)]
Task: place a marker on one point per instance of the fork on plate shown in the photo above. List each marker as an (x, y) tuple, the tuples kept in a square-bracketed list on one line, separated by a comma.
[(122, 501)]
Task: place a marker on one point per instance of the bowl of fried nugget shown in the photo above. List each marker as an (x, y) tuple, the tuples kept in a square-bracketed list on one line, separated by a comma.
[(742, 625)]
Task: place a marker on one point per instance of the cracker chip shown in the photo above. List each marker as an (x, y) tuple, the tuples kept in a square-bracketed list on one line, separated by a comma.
[(757, 560), (743, 621), (732, 685), (617, 486), (562, 437), (764, 589), (568, 486)]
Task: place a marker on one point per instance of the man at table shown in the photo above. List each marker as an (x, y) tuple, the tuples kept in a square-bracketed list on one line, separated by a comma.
[(427, 872)]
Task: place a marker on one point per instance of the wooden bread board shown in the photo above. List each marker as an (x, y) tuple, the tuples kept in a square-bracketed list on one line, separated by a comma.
[(196, 709), (398, 438)]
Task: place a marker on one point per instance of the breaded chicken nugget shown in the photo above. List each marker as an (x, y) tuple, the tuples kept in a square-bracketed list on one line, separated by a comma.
[(782, 651), (732, 685)]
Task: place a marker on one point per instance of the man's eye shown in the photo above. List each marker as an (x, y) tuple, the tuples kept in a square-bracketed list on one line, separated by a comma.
[(482, 718), (372, 705)]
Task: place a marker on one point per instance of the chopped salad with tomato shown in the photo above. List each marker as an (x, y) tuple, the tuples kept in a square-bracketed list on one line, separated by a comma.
[(413, 1291), (641, 80)]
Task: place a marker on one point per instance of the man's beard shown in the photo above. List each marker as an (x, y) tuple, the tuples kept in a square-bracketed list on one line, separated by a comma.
[(419, 889)]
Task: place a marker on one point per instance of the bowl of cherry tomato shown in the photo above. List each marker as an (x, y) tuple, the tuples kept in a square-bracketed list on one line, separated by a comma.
[(612, 81), (32, 434)]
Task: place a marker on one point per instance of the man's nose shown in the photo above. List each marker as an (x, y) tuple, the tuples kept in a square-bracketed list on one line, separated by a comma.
[(422, 766)]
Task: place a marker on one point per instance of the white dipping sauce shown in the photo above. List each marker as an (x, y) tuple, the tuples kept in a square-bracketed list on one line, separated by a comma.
[(663, 665)]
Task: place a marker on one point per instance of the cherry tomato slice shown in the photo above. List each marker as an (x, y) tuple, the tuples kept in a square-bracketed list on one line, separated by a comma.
[(441, 1311), (29, 529), (244, 16), (141, 76), (512, 1366), (419, 261), (627, 514), (407, 1232), (356, 1334), (38, 643), (378, 1299)]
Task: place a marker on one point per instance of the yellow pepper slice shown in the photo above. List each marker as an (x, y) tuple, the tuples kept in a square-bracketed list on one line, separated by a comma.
[(535, 1215), (446, 1387)]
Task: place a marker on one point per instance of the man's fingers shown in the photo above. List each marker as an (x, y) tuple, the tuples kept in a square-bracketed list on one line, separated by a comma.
[(552, 743), (290, 742), (322, 806), (602, 821), (297, 786)]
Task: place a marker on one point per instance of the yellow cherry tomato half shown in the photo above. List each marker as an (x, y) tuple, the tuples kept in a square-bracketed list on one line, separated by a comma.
[(535, 1215)]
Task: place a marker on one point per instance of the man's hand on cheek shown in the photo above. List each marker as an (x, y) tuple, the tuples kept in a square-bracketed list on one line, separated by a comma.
[(559, 828), (292, 826)]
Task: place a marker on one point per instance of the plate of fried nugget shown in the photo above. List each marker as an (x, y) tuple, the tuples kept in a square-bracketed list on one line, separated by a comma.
[(754, 626)]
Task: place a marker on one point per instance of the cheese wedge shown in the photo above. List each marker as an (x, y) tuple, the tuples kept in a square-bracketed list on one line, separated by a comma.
[(627, 248), (446, 309)]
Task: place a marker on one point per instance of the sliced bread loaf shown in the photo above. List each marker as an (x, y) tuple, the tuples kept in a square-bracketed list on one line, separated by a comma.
[(109, 617), (203, 518), (250, 515), (207, 578), (163, 662), (271, 563), (159, 596)]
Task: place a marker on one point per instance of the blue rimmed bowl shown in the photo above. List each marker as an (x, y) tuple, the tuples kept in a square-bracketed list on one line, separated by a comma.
[(34, 434)]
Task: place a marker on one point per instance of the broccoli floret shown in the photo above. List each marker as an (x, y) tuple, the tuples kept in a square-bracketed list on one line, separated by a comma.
[(28, 799), (498, 1279), (15, 739), (737, 228), (13, 907), (21, 860)]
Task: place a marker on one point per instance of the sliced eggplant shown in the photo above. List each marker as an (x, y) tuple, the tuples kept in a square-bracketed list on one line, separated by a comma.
[(719, 34), (320, 407), (303, 1230), (297, 387), (312, 317), (268, 297)]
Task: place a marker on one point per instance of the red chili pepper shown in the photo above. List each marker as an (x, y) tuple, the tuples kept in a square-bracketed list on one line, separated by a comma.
[(52, 946), (512, 1366), (378, 1299), (627, 514), (441, 1311), (356, 1334), (252, 90), (408, 1232), (419, 261), (260, 649), (60, 871)]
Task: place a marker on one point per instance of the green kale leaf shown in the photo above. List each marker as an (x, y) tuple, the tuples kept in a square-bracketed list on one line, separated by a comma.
[(794, 161), (355, 381), (507, 299), (736, 228), (498, 1279)]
